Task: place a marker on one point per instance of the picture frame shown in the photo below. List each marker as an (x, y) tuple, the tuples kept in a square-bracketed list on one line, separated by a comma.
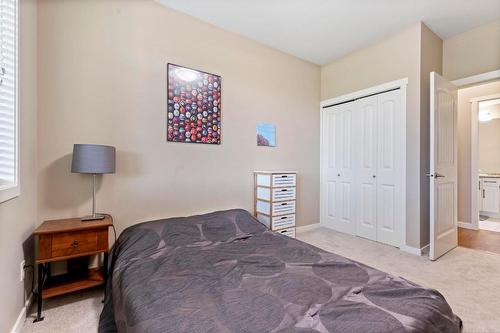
[(194, 103), (266, 134)]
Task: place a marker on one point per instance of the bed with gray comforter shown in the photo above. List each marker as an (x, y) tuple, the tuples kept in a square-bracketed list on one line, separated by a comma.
[(224, 272)]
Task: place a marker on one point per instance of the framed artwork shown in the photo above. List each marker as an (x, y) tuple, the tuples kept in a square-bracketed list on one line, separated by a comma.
[(266, 135), (194, 106)]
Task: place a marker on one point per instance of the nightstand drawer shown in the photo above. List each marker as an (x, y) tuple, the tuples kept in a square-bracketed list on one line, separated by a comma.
[(71, 243)]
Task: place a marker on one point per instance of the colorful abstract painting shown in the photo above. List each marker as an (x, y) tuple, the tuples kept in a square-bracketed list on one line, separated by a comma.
[(194, 106), (266, 135)]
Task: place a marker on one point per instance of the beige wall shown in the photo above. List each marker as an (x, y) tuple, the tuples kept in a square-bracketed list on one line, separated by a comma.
[(18, 216), (464, 143), (431, 61), (394, 58), (102, 79), (489, 146), (473, 52)]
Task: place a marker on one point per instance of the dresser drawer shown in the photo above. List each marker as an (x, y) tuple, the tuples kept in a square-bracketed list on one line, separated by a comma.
[(283, 194), (285, 207), (282, 222), (276, 194), (276, 208), (279, 222), (72, 243), (290, 232), (284, 180)]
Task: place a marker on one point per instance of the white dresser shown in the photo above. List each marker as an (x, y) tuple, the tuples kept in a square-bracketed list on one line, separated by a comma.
[(275, 196)]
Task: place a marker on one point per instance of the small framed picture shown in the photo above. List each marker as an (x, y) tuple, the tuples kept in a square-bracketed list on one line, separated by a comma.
[(194, 106), (266, 135)]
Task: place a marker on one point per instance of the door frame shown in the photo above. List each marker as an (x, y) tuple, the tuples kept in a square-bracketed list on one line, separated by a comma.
[(378, 89), (474, 175), (474, 163)]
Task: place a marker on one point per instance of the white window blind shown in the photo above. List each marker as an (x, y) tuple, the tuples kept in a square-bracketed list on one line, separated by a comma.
[(8, 95)]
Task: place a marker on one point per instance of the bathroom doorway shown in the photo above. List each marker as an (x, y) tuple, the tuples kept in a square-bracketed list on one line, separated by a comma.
[(479, 167)]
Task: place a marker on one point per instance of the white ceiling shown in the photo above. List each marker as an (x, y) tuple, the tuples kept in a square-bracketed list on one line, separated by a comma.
[(322, 30)]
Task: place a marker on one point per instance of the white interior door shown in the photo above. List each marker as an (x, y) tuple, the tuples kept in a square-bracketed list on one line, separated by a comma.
[(365, 152), (443, 166), (390, 168), (329, 180), (345, 190), (337, 183)]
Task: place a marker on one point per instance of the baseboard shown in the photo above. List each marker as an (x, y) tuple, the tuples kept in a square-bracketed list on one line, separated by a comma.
[(22, 315), (467, 225), (405, 248), (308, 227), (425, 249), (414, 250)]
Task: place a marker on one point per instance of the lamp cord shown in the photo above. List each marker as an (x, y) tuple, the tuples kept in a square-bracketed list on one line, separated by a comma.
[(114, 232), (32, 278)]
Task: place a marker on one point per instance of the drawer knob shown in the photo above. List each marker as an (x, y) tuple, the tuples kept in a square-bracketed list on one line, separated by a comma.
[(283, 204), (75, 243), (283, 190)]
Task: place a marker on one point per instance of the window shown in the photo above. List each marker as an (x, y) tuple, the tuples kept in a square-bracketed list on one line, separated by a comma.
[(9, 133)]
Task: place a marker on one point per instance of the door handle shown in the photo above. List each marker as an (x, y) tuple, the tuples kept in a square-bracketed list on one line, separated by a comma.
[(434, 175), (483, 194)]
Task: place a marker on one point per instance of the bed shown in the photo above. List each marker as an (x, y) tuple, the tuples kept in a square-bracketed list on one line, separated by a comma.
[(225, 272)]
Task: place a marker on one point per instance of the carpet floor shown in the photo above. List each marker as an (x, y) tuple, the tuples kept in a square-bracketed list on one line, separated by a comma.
[(468, 279)]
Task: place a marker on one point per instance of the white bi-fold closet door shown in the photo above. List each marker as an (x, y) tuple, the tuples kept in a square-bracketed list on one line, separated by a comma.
[(363, 167)]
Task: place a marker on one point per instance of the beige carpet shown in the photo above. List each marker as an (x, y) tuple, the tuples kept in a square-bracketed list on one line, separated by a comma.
[(469, 279)]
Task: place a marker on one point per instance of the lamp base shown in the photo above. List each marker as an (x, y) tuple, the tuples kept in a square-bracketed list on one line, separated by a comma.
[(93, 217)]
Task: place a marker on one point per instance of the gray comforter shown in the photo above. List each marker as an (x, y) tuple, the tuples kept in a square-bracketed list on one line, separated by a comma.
[(224, 272)]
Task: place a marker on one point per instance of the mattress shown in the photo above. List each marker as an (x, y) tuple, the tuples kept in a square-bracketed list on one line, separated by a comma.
[(225, 272)]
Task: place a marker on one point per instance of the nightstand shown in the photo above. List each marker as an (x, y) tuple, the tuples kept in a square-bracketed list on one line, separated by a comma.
[(67, 239)]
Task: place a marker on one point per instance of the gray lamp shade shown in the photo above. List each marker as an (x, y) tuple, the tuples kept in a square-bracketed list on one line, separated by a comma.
[(93, 159)]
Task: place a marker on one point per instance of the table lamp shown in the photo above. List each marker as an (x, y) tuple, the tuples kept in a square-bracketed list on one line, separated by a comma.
[(93, 159)]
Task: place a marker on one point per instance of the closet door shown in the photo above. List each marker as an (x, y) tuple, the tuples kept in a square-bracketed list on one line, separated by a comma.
[(366, 167), (329, 167), (390, 168), (337, 177)]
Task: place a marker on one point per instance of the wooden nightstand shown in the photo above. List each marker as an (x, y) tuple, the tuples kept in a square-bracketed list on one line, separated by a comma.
[(66, 239)]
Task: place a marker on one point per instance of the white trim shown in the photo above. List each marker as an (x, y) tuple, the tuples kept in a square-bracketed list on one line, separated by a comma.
[(308, 227), (366, 92), (14, 190), (488, 76), (401, 84), (425, 250), (403, 182), (22, 315), (9, 193), (474, 165), (485, 98), (414, 250), (467, 225), (474, 173)]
